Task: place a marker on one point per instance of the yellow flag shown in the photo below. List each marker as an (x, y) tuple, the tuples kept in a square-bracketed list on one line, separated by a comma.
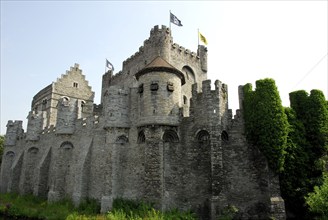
[(202, 38)]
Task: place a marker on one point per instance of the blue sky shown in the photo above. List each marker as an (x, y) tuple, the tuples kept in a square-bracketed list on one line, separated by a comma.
[(247, 41)]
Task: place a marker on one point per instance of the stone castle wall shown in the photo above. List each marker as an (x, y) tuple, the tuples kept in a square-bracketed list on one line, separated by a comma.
[(162, 134)]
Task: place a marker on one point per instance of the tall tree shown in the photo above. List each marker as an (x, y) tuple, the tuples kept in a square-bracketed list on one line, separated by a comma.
[(306, 151)]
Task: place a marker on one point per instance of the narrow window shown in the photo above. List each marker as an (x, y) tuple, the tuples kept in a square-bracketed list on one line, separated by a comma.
[(141, 137), (184, 100), (224, 136), (44, 104), (140, 88), (75, 84), (83, 106)]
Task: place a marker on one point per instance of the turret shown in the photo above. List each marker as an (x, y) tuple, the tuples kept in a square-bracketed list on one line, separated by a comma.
[(159, 93), (106, 79), (14, 132), (202, 53), (34, 126), (116, 107), (210, 106), (66, 115), (161, 39), (159, 43)]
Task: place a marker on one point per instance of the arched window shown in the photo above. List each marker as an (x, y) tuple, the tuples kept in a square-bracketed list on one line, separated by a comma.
[(170, 136), (189, 74), (65, 101), (203, 136), (141, 137), (66, 145), (82, 106), (122, 139), (44, 104), (33, 150), (10, 154)]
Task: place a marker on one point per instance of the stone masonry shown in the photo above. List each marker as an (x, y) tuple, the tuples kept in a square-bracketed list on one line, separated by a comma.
[(160, 134)]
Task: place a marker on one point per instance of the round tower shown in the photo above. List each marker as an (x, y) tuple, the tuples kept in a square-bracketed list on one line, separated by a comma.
[(160, 41), (159, 96)]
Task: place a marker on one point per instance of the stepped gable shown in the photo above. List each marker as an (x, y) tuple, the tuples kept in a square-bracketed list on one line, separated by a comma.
[(159, 64), (77, 69)]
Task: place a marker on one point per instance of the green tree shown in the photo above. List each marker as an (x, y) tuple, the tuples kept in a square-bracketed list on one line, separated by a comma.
[(318, 200), (306, 149), (266, 122), (294, 181)]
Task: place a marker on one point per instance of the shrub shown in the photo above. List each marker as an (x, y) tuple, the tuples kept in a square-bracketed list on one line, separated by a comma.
[(318, 200)]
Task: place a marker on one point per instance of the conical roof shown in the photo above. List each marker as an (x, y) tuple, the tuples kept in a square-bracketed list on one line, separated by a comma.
[(159, 64)]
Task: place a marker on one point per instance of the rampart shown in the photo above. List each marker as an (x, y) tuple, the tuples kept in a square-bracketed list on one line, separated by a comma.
[(160, 134)]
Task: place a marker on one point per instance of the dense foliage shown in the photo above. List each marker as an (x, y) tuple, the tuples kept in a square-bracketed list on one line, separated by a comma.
[(294, 180), (265, 121), (318, 200), (295, 142), (307, 149)]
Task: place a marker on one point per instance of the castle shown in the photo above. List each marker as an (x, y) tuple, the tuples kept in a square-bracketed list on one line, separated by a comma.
[(160, 134)]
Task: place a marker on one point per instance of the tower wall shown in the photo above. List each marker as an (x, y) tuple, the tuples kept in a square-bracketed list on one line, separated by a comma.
[(210, 107), (14, 132), (66, 116), (160, 43), (116, 107), (34, 126), (160, 99)]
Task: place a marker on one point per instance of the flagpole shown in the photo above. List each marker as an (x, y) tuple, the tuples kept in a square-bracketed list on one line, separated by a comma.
[(198, 37), (105, 64)]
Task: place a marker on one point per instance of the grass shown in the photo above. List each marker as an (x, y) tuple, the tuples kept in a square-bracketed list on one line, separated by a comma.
[(36, 208), (33, 207)]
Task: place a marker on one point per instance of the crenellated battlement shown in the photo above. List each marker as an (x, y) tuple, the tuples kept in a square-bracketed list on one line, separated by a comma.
[(80, 125), (34, 125), (49, 130), (89, 123), (156, 30), (14, 132), (219, 87), (187, 53), (160, 43), (210, 105)]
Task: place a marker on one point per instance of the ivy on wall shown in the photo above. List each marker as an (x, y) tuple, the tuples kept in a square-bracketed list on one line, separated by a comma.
[(265, 121), (294, 140)]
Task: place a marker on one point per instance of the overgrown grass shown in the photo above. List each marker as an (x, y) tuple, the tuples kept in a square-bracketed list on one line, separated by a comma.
[(33, 207), (138, 210)]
